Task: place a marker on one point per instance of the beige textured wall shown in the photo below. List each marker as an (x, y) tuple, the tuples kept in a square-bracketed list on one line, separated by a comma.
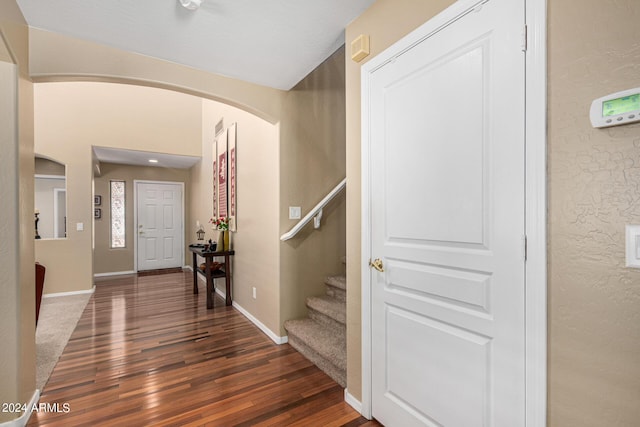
[(117, 116), (48, 167), (69, 119), (312, 162), (256, 241), (594, 188), (386, 22), (17, 290), (26, 372), (106, 259), (16, 37), (84, 61), (9, 248), (5, 55)]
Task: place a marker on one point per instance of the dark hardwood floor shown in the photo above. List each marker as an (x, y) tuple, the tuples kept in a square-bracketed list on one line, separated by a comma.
[(146, 351)]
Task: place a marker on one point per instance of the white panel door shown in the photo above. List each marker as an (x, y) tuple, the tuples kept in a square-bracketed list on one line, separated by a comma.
[(446, 133), (160, 225)]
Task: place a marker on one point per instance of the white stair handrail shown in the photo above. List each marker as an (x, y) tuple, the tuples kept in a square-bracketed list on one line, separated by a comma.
[(315, 213)]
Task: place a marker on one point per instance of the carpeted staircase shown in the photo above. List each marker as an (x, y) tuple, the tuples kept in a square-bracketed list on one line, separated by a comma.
[(321, 337)]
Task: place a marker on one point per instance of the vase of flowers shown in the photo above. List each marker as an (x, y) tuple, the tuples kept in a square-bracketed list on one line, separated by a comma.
[(222, 225)]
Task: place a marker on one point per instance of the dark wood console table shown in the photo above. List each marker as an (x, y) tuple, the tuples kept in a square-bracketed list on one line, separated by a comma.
[(209, 274)]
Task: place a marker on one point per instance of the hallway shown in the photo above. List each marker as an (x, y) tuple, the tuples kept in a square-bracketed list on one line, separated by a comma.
[(146, 351)]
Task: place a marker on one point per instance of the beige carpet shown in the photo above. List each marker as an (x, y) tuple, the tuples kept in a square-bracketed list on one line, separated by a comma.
[(321, 337), (58, 319)]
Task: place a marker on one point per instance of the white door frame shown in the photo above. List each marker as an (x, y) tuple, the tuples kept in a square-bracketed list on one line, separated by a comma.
[(135, 218), (535, 210)]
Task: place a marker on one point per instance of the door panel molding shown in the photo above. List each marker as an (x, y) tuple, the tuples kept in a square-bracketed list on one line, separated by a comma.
[(535, 196)]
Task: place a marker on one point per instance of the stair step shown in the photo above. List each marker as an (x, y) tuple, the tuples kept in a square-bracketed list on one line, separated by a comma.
[(328, 311), (337, 287), (323, 346), (339, 282)]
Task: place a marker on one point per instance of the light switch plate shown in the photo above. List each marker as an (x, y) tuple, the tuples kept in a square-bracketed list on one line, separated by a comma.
[(295, 212), (632, 238), (79, 226)]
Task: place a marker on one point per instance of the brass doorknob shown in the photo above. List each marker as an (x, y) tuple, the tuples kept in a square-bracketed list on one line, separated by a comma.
[(377, 264)]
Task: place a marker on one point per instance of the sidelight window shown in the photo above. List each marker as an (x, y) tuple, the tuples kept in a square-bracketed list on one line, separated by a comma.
[(117, 214)]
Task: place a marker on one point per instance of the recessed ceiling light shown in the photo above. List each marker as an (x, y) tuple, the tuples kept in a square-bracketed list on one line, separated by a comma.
[(153, 161), (191, 4)]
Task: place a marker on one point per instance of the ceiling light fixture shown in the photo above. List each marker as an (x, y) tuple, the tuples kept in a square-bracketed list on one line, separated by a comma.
[(190, 4), (153, 161)]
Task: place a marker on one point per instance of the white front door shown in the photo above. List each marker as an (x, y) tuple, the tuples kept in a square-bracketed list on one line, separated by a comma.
[(159, 225), (445, 128)]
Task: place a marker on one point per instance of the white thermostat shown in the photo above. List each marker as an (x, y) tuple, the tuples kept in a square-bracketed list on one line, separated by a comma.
[(618, 108)]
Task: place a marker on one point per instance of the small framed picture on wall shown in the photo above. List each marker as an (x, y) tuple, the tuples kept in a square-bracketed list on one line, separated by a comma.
[(231, 171), (222, 210)]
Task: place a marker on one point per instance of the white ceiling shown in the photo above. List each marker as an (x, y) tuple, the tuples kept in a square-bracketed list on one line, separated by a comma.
[(141, 158), (273, 43)]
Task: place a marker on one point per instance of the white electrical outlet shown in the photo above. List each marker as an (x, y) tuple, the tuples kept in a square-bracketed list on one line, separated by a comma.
[(254, 292)]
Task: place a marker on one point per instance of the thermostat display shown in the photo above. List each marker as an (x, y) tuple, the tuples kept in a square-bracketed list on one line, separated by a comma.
[(621, 105), (618, 108)]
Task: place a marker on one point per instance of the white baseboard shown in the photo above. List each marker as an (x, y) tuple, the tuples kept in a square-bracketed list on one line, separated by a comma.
[(24, 418), (274, 337), (218, 291), (352, 401), (268, 332), (187, 267), (221, 293), (201, 278), (66, 294), (115, 273)]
